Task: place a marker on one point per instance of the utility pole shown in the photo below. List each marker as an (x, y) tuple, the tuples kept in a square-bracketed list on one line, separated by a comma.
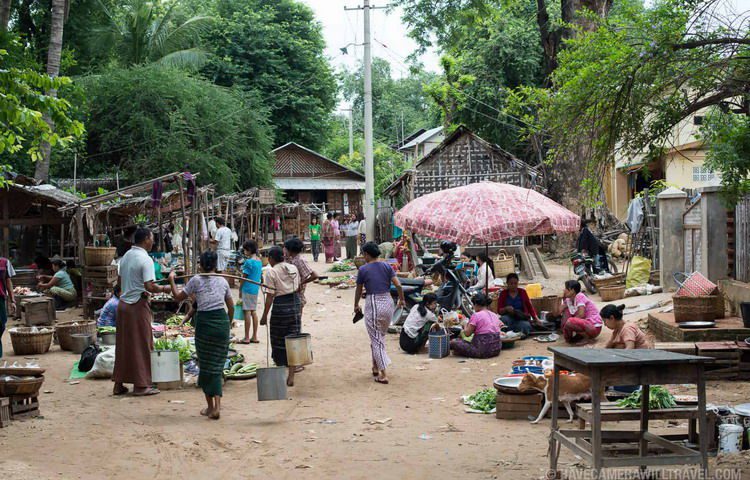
[(369, 163)]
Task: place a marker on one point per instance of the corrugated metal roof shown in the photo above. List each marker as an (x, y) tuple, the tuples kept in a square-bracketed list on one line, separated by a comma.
[(425, 136), (318, 184), (49, 193)]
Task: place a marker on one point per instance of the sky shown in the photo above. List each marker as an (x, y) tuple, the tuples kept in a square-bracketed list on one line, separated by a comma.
[(342, 27)]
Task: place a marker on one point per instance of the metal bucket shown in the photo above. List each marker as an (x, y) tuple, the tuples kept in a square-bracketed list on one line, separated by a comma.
[(108, 338), (271, 383), (80, 341), (299, 349), (165, 366)]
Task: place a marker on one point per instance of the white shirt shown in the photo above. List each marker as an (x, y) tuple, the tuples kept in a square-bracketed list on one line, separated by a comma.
[(414, 322), (484, 277), (135, 269), (362, 228), (352, 229), (224, 238)]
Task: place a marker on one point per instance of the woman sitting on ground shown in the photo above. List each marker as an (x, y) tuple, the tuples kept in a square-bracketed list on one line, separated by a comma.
[(485, 272), (59, 285), (212, 325), (581, 322), (417, 326), (515, 308), (625, 335), (483, 329), (108, 313)]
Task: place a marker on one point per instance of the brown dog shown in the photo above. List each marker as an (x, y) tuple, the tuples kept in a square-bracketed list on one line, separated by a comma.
[(572, 387)]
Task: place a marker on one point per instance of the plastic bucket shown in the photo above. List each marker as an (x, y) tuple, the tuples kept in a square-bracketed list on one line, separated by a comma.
[(165, 366), (730, 438), (298, 349), (79, 342), (534, 290), (745, 312), (271, 383)]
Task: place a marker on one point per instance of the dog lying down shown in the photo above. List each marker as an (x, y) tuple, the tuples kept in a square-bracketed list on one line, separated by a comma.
[(573, 387)]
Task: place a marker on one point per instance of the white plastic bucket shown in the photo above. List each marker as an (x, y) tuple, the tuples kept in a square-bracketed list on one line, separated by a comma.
[(165, 366), (730, 438)]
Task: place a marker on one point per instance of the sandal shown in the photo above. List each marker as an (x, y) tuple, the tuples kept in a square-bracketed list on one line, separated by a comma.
[(245, 342), (214, 415), (204, 412), (122, 391), (384, 381), (149, 391), (254, 341), (299, 369)]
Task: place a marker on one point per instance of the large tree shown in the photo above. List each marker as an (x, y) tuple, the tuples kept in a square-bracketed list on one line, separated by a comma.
[(157, 120), (275, 48)]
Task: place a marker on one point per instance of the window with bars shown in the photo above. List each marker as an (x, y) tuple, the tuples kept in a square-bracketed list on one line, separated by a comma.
[(702, 174)]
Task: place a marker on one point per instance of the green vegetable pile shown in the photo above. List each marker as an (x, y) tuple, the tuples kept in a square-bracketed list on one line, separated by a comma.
[(483, 400), (343, 266), (106, 329), (180, 344), (334, 280), (238, 369), (174, 320), (658, 397)]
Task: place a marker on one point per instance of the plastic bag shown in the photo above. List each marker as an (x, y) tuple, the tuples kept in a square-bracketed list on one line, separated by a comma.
[(104, 365), (639, 272)]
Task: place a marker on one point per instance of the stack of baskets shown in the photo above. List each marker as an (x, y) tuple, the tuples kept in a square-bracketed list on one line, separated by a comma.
[(697, 300), (611, 288), (99, 256), (31, 340), (547, 303), (21, 387), (64, 332)]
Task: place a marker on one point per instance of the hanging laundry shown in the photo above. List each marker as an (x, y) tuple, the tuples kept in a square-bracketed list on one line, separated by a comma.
[(156, 194)]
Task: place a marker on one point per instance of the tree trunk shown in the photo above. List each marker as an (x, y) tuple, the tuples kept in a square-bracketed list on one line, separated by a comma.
[(4, 15), (53, 70)]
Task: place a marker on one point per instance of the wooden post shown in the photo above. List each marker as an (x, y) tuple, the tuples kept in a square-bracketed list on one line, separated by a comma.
[(80, 237), (62, 239), (6, 226), (273, 224), (184, 221)]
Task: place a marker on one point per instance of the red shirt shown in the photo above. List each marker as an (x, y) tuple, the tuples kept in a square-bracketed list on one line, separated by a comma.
[(528, 308)]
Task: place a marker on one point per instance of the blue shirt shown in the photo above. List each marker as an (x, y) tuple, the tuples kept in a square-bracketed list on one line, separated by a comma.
[(516, 303), (252, 269), (109, 313)]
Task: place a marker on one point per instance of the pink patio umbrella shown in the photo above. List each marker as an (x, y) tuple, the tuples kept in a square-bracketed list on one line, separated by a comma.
[(485, 212)]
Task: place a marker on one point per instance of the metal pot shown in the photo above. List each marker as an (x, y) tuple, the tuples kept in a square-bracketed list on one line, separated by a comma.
[(80, 341), (108, 338)]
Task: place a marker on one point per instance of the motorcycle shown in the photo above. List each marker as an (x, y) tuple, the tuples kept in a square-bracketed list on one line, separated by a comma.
[(412, 288), (583, 268), (452, 294)]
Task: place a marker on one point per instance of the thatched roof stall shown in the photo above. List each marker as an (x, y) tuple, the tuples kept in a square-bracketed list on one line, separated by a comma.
[(31, 223)]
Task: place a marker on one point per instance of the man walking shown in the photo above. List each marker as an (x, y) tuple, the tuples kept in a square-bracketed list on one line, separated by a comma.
[(223, 242), (133, 322)]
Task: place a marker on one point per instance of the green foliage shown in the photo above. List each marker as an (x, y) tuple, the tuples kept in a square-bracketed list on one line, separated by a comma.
[(728, 138), (149, 121), (400, 105), (275, 48), (142, 31), (627, 83), (22, 107)]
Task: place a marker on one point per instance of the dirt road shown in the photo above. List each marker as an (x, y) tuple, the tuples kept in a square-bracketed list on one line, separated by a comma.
[(338, 423)]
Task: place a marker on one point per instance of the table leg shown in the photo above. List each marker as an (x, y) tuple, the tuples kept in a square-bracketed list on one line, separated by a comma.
[(703, 432), (643, 448), (554, 452), (596, 422)]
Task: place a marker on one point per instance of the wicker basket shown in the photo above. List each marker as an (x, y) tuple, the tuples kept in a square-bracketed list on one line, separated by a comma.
[(359, 261), (654, 277), (612, 293), (548, 303), (99, 256), (504, 264), (66, 329), (27, 343), (26, 387), (694, 309), (614, 280)]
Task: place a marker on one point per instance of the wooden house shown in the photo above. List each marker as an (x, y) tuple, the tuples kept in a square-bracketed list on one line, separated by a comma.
[(308, 177)]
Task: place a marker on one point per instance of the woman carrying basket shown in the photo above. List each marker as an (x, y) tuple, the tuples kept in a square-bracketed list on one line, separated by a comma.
[(212, 324)]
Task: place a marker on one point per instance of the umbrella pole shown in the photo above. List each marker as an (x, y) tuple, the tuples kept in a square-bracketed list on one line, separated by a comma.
[(486, 268)]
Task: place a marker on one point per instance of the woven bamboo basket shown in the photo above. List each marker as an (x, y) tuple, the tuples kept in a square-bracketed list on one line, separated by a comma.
[(548, 303), (99, 256), (504, 264), (66, 329), (612, 293), (616, 279), (27, 387), (26, 342), (654, 277), (359, 261), (694, 309)]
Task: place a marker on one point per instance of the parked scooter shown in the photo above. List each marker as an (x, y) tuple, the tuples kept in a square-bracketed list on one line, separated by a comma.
[(412, 288), (583, 268)]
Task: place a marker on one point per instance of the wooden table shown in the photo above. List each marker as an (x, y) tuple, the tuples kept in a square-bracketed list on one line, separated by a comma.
[(627, 367)]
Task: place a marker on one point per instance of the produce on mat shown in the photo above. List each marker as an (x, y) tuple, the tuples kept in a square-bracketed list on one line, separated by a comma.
[(483, 400), (658, 397), (238, 369), (343, 266), (174, 320)]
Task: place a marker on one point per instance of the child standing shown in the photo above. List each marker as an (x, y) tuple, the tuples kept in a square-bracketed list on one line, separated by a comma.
[(252, 269)]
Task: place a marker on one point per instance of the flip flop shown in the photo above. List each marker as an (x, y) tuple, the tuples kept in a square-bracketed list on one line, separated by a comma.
[(118, 393), (245, 342), (384, 381), (147, 392), (254, 341), (299, 369)]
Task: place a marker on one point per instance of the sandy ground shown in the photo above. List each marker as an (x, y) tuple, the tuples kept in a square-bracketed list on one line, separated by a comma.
[(337, 422)]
